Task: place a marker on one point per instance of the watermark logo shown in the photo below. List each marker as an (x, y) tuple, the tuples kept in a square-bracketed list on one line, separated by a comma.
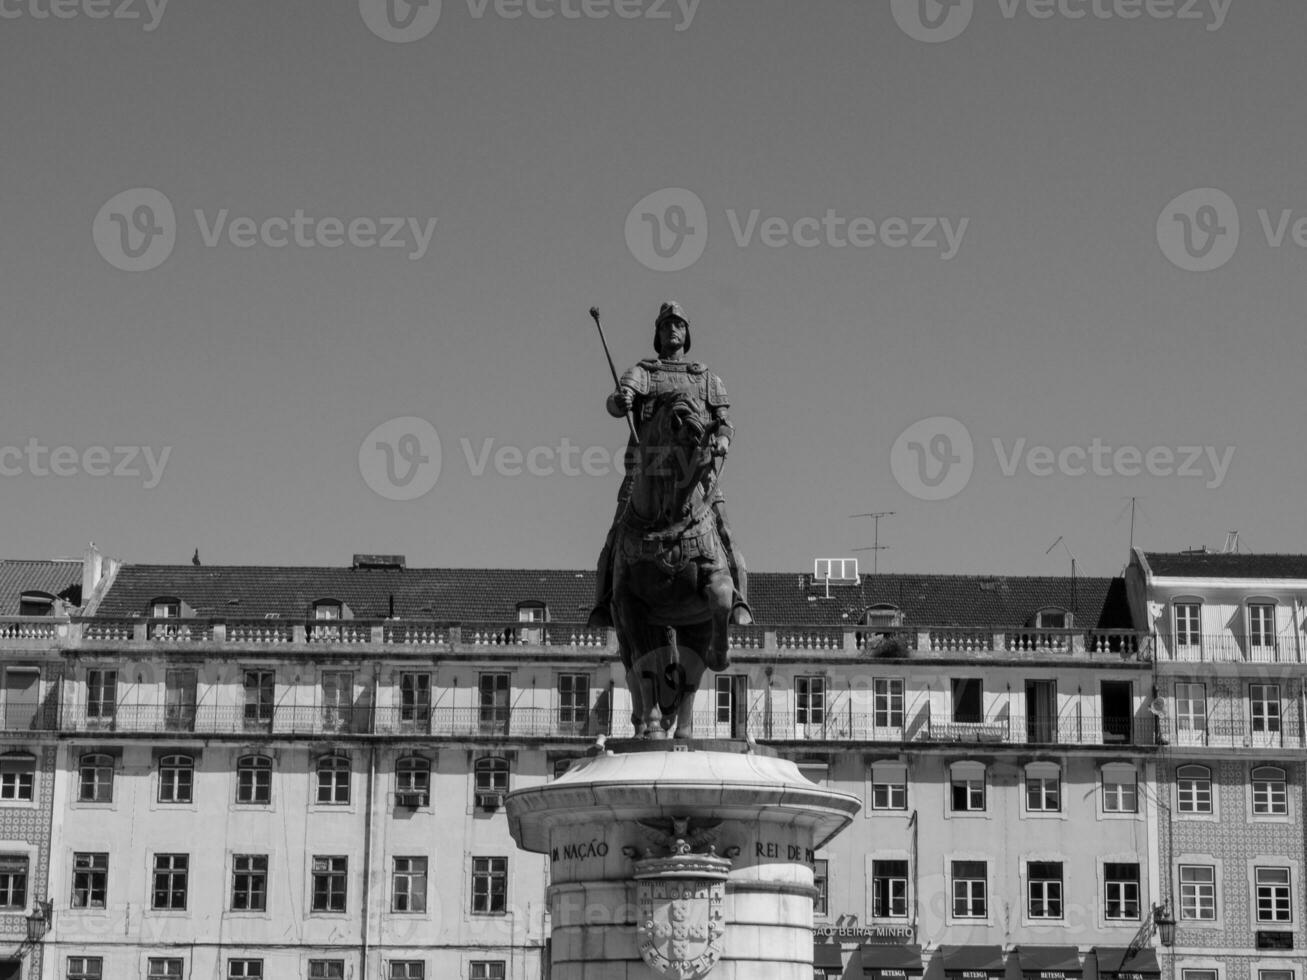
[(400, 21), (400, 459), (136, 230), (667, 230), (36, 459), (148, 11), (1199, 230), (932, 459), (932, 21)]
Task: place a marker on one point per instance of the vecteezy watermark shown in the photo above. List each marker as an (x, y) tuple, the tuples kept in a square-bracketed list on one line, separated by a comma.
[(149, 11), (934, 21), (401, 459), (34, 458), (667, 231), (404, 21), (136, 230), (933, 459), (1199, 231)]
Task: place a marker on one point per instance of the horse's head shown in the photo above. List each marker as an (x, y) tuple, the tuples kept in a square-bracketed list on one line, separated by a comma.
[(674, 450)]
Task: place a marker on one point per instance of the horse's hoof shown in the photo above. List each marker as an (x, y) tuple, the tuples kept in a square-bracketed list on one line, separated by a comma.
[(683, 734), (656, 734)]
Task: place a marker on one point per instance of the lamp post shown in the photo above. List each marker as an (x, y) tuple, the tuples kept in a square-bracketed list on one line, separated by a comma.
[(1165, 922)]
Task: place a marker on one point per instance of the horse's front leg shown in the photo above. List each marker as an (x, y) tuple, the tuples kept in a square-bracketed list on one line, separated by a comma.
[(691, 674)]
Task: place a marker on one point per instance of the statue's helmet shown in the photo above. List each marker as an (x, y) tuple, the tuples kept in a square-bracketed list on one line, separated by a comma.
[(669, 311)]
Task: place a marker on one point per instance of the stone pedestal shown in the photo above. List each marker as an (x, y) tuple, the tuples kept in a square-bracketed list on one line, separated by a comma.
[(680, 859)]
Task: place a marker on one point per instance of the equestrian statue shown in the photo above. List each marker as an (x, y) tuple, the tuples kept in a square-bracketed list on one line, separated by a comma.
[(670, 579)]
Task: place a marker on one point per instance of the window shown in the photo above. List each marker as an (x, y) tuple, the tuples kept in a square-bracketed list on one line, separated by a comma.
[(90, 880), (493, 692), (171, 969), (327, 609), (1187, 624), (820, 881), (167, 608), (36, 604), (969, 889), (85, 968), (17, 776), (254, 779), (489, 884), (414, 698), (337, 700), (260, 687), (101, 695), (887, 702), (176, 778), (1191, 711), (1261, 624), (333, 780), (1197, 891), (968, 781), (1270, 792), (326, 970), (170, 874), (1194, 789), (573, 699), (245, 970), (486, 970), (531, 613), (13, 881), (412, 781), (407, 970), (409, 890), (249, 883), (1273, 891), (330, 875), (1044, 889), (1051, 619), (724, 691), (491, 780), (1043, 788), (95, 778), (561, 765), (889, 889), (1120, 789), (1264, 708), (1199, 975), (889, 786), (968, 700), (1121, 891), (810, 700)]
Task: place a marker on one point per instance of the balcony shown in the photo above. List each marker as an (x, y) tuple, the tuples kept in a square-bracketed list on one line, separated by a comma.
[(1217, 733), (1231, 648)]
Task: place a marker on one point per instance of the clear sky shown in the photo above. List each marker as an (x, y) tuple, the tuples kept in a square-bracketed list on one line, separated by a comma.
[(1050, 146)]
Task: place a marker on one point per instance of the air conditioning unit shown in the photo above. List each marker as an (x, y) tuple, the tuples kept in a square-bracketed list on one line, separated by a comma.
[(411, 800), (490, 801)]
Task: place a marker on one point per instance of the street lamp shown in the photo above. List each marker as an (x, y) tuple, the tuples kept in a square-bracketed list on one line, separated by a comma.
[(38, 923), (1165, 922)]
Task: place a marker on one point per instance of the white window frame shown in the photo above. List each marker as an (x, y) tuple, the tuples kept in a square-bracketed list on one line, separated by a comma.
[(1120, 794), (1187, 623), (1270, 893), (1198, 893), (1045, 892), (888, 703), (889, 786), (1038, 776), (969, 895), (973, 777), (1190, 713), (1123, 900), (1196, 796), (1271, 777)]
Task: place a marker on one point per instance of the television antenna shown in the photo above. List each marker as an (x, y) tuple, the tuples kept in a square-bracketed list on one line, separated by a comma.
[(877, 547)]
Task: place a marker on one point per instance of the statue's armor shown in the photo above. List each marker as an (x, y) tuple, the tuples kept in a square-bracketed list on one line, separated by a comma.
[(652, 378)]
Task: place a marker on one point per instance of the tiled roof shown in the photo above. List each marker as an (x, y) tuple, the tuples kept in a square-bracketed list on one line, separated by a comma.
[(58, 577), (1228, 566), (489, 594)]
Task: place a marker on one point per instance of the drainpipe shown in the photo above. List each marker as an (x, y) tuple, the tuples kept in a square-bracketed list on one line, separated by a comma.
[(364, 938)]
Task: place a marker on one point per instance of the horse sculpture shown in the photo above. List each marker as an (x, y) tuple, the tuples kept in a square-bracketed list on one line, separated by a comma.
[(672, 587)]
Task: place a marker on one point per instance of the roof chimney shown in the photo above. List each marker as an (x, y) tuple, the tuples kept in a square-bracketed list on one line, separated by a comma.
[(395, 562)]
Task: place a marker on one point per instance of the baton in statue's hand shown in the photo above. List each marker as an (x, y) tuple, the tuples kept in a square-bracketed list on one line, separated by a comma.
[(594, 312)]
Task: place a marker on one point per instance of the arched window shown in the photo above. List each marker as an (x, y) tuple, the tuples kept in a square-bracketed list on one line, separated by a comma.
[(1193, 786), (333, 780), (254, 779), (36, 603), (1270, 791), (491, 781), (95, 778), (176, 778), (412, 781)]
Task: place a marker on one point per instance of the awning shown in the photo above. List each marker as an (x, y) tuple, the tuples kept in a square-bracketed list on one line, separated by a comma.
[(827, 956), (973, 962), (1112, 963), (1050, 962), (901, 962)]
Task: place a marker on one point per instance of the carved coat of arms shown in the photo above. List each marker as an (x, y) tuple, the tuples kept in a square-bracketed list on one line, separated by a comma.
[(681, 899)]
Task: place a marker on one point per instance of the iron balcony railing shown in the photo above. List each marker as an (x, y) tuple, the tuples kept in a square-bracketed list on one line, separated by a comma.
[(1231, 648)]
